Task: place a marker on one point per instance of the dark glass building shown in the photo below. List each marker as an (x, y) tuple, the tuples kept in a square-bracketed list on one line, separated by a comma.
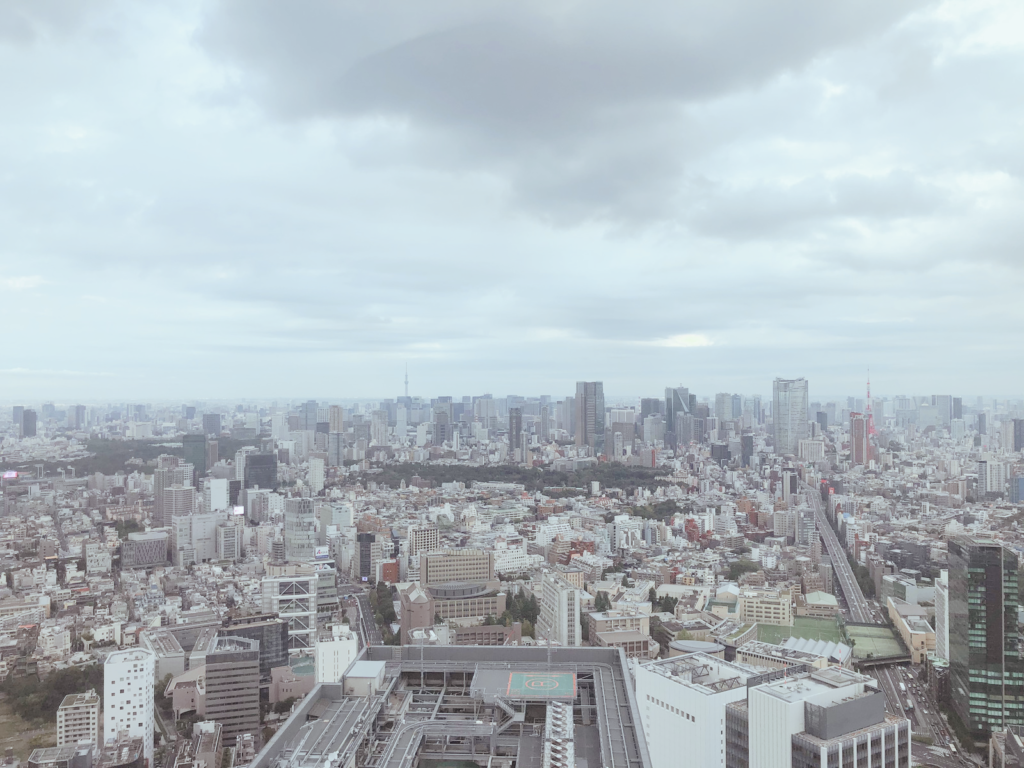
[(272, 634), (515, 428), (28, 423), (194, 453), (986, 672), (211, 423), (261, 470)]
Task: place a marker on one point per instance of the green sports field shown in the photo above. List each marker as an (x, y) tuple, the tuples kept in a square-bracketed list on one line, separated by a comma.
[(877, 641), (547, 685)]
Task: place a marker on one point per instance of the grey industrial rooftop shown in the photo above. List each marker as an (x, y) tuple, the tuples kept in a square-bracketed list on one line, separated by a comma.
[(468, 702)]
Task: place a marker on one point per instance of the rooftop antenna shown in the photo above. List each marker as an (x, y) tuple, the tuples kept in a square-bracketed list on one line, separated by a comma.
[(406, 379)]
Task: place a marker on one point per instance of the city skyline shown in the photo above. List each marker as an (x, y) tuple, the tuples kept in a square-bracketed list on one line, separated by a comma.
[(181, 219)]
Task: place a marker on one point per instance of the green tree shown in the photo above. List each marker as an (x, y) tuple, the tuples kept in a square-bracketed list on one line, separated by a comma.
[(528, 630), (740, 567), (35, 699), (584, 628), (652, 595), (163, 702), (625, 580), (284, 706)]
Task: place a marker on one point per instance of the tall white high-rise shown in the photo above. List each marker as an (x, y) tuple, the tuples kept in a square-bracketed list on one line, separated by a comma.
[(215, 494), (942, 615), (789, 415), (316, 474), (240, 456), (559, 620), (379, 428), (128, 696)]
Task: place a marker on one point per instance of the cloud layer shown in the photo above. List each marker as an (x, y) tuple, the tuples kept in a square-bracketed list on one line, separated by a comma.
[(250, 198)]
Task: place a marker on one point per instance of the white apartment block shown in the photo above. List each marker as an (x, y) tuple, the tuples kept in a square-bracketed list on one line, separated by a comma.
[(559, 620), (334, 653), (128, 696), (78, 718)]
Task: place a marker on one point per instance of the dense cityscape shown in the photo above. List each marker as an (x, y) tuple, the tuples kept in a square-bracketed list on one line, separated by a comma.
[(487, 384), (524, 580)]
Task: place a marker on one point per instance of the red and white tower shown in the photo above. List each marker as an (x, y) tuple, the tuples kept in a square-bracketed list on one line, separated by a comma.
[(867, 409)]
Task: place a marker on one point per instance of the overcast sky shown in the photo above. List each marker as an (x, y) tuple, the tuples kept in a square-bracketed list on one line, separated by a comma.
[(257, 198)]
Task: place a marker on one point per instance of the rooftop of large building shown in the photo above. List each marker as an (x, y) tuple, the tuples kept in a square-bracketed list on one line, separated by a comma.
[(417, 714), (704, 673), (231, 643), (803, 687)]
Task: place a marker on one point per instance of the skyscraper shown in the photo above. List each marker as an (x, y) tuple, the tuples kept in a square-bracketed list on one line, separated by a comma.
[(567, 415), (986, 671), (515, 431), (233, 686), (590, 415), (379, 427), (77, 421), (677, 400), (942, 615), (944, 406), (19, 420), (128, 682), (559, 620), (1018, 434), (299, 530), (860, 446), (28, 423), (789, 415), (308, 414), (261, 470), (194, 452), (211, 424), (723, 407)]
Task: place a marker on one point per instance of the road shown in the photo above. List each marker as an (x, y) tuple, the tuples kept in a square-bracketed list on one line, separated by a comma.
[(371, 635), (860, 610), (863, 611)]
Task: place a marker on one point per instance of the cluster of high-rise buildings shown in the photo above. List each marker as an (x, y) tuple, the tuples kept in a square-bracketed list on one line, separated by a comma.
[(774, 581)]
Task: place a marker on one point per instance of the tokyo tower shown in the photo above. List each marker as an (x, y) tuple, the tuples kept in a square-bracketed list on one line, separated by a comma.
[(867, 409)]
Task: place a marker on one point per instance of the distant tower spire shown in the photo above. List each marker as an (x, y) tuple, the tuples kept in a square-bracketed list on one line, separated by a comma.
[(867, 409), (406, 379)]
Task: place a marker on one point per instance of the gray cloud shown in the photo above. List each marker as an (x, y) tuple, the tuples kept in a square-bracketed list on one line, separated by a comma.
[(266, 199), (581, 108)]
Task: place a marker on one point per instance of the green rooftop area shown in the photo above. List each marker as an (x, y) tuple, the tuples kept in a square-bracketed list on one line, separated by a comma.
[(803, 626), (879, 642)]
